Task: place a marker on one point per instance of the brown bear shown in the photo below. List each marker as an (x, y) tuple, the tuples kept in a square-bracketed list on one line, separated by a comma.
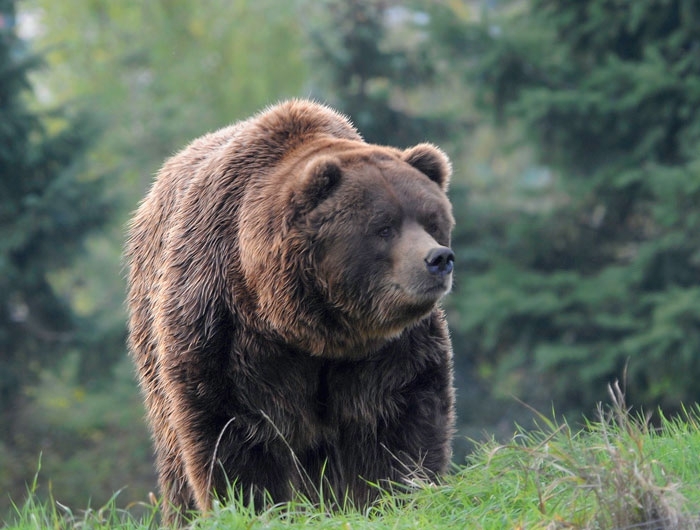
[(284, 281)]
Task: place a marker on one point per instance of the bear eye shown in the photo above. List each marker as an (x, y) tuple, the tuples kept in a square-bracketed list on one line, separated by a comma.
[(385, 232), (434, 226), (431, 226)]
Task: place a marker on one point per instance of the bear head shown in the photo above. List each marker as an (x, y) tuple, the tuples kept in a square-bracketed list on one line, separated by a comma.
[(346, 244)]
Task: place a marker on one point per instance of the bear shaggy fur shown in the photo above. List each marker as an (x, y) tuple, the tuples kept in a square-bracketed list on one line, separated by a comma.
[(284, 280)]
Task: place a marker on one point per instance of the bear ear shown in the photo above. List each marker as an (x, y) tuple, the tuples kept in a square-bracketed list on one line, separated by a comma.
[(319, 179), (431, 161)]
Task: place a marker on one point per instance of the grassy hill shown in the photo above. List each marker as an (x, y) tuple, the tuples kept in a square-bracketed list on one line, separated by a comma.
[(616, 473)]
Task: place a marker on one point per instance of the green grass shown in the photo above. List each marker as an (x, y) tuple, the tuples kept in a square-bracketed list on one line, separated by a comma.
[(616, 473)]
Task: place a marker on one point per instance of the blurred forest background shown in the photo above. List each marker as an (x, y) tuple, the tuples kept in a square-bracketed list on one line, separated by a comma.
[(574, 128)]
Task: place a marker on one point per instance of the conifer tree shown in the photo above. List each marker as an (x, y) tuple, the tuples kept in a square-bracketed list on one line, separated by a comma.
[(47, 207), (606, 279)]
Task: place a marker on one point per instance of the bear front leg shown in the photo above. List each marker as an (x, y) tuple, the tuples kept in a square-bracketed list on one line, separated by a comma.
[(230, 452), (408, 438), (419, 434), (409, 448), (418, 442)]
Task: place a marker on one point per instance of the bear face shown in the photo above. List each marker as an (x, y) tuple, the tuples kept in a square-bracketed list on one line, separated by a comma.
[(354, 249)]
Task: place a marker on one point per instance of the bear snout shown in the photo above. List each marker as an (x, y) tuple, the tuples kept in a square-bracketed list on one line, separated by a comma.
[(440, 261)]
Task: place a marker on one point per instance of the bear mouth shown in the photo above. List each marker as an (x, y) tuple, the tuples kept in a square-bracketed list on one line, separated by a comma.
[(434, 289), (421, 299)]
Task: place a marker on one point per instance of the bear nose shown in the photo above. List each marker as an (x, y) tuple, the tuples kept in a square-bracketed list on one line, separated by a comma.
[(440, 261)]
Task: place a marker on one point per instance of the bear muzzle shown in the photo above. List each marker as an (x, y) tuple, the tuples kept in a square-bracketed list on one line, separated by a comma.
[(434, 279)]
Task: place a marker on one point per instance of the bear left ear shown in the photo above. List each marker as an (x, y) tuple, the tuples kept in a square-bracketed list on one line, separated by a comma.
[(431, 161), (319, 179)]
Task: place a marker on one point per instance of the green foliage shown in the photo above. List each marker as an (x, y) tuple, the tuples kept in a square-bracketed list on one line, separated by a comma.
[(98, 441), (161, 73), (48, 205), (91, 443), (603, 273), (616, 473)]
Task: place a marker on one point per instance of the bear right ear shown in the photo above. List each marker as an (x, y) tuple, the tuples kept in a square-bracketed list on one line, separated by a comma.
[(320, 178), (431, 161)]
